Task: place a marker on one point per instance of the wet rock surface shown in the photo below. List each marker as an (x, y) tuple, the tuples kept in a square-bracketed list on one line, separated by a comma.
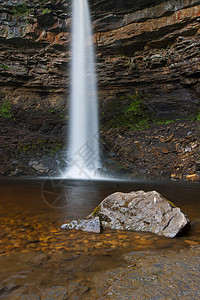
[(141, 211), (166, 274), (26, 152), (40, 261), (139, 275), (92, 225), (164, 151), (167, 151)]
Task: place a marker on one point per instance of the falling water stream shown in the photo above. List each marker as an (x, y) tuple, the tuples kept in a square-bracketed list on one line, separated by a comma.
[(83, 142)]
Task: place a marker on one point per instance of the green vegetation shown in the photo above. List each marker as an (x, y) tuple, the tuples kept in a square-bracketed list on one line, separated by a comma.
[(135, 106), (46, 11), (171, 203), (165, 121), (59, 115), (5, 109), (48, 147), (197, 117), (56, 148), (136, 114), (127, 112), (20, 9), (96, 211), (4, 67), (141, 125), (131, 112), (27, 148)]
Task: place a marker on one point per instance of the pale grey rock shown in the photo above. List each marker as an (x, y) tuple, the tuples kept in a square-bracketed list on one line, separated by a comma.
[(38, 167), (91, 225), (141, 211)]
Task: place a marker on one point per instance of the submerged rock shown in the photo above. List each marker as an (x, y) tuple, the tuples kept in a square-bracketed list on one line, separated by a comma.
[(140, 211), (91, 225)]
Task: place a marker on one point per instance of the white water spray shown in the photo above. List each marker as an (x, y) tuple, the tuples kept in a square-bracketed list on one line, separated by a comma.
[(83, 150)]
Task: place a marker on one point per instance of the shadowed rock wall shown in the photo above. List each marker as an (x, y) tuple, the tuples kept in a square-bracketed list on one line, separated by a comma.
[(145, 47), (151, 48)]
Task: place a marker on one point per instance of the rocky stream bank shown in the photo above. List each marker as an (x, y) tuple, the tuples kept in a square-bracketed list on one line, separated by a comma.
[(139, 275), (162, 151)]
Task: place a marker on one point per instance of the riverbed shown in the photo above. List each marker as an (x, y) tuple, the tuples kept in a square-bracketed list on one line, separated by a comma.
[(40, 261)]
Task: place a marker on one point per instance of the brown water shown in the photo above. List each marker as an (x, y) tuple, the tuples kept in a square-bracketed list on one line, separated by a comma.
[(33, 246), (32, 211)]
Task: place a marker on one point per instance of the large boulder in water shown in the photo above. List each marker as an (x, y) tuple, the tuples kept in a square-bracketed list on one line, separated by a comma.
[(141, 211)]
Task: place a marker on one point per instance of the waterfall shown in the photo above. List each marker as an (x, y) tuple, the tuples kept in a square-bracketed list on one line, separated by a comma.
[(83, 155)]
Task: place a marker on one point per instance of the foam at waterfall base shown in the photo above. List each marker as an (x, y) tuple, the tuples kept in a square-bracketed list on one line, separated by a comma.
[(75, 173)]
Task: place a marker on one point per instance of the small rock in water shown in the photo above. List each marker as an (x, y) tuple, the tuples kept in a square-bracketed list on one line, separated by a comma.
[(91, 225), (141, 211)]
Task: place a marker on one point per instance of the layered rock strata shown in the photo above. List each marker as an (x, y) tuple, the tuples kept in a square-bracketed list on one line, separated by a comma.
[(153, 51), (146, 48)]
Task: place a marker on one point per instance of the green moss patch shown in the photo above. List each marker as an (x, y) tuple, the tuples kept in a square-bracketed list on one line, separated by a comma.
[(96, 211), (131, 112), (4, 67), (46, 147), (5, 110), (46, 11), (197, 117), (20, 9), (127, 111)]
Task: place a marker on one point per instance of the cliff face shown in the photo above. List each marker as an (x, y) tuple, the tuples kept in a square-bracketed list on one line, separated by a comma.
[(153, 51), (147, 51), (33, 55), (143, 46)]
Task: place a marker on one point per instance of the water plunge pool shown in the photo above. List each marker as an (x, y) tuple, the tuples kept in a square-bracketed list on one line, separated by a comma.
[(36, 253)]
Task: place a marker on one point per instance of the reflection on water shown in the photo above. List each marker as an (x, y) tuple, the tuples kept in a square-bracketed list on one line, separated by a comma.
[(33, 245), (33, 210)]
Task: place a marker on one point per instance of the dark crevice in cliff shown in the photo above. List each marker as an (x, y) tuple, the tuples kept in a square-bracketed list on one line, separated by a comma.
[(120, 6), (112, 20)]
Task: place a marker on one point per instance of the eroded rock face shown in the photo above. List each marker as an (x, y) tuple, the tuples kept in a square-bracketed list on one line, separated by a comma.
[(149, 47), (141, 211)]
